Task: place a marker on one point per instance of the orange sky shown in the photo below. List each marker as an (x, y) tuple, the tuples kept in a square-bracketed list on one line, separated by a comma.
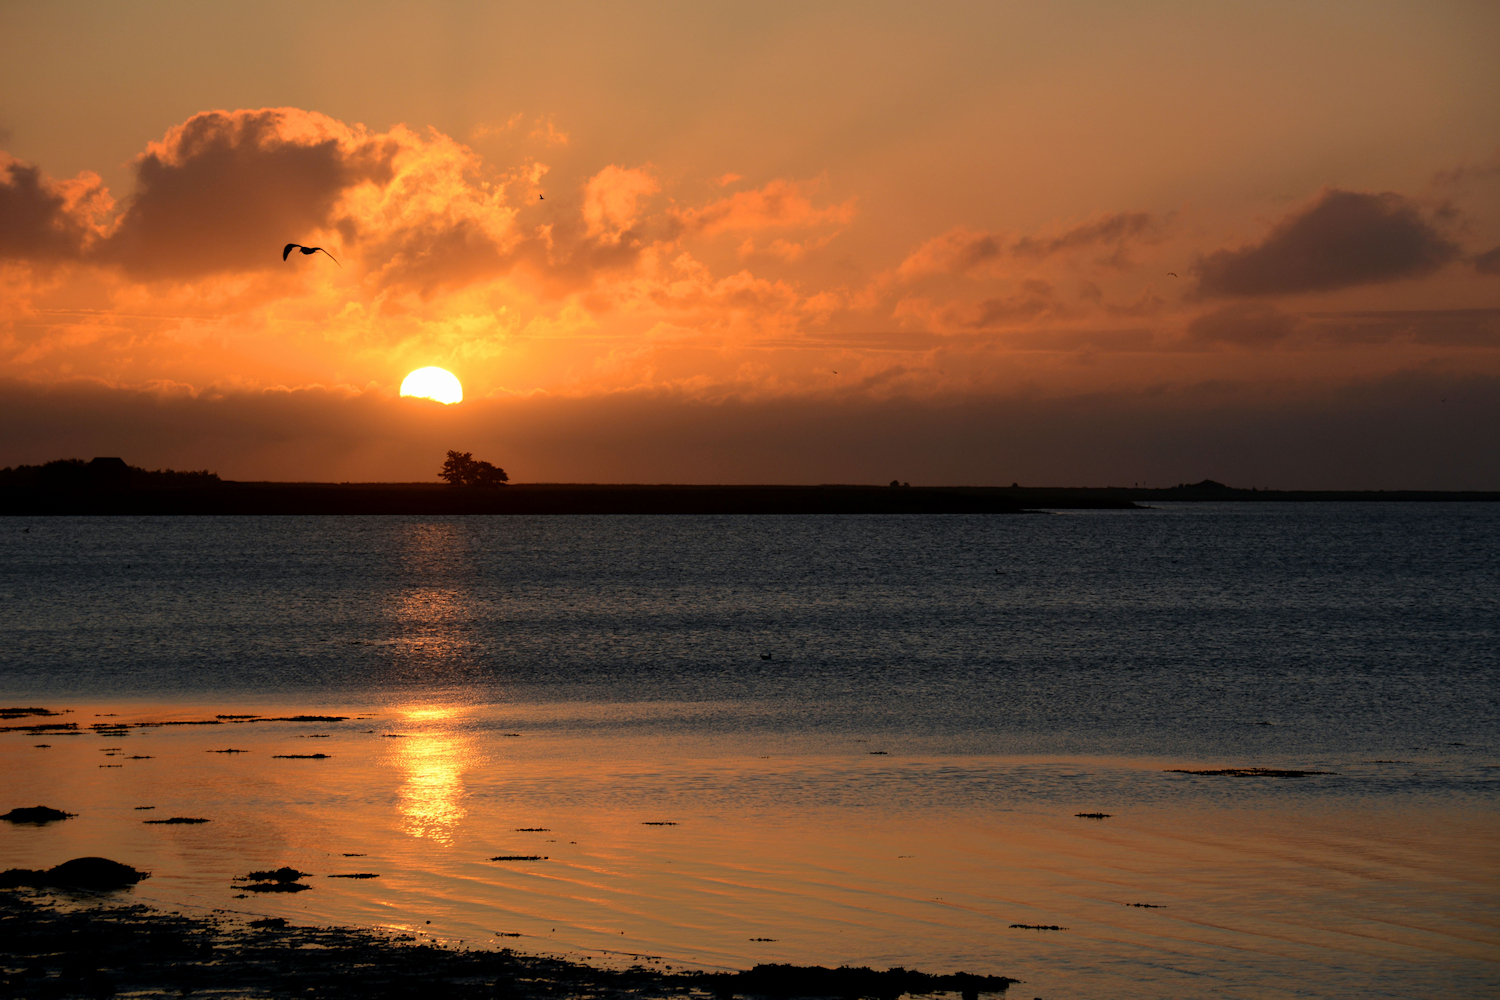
[(785, 242)]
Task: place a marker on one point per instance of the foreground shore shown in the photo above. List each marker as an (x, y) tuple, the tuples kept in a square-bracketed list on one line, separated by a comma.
[(86, 944)]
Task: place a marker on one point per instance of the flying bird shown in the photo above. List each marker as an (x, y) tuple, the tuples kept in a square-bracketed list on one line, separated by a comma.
[(541, 197), (1171, 274), (286, 250)]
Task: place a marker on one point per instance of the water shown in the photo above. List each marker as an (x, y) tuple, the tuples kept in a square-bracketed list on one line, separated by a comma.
[(895, 784)]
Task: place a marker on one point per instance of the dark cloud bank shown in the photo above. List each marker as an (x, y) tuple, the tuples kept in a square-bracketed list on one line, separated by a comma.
[(1343, 239), (1410, 431)]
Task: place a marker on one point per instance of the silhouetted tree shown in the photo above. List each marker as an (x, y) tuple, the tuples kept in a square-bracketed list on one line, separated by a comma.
[(461, 469)]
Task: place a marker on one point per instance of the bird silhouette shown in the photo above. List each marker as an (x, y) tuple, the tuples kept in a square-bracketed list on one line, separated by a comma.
[(1171, 274), (541, 197), (286, 250)]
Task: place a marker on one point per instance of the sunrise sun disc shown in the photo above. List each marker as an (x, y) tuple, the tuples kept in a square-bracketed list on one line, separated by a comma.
[(433, 383)]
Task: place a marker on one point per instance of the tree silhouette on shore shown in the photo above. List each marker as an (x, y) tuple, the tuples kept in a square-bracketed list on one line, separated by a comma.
[(462, 469)]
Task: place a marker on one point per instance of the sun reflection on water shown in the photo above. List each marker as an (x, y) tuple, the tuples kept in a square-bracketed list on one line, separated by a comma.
[(432, 791)]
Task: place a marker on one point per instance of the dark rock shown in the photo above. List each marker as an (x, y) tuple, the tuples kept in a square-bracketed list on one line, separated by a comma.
[(36, 815), (80, 873)]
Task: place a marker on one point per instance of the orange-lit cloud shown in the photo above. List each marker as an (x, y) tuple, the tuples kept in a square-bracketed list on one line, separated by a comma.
[(780, 204), (964, 251), (629, 279), (611, 200), (45, 219)]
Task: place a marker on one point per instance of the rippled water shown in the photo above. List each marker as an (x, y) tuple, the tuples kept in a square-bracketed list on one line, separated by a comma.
[(870, 734)]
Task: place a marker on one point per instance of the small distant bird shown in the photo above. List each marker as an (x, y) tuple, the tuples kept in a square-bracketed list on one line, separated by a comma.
[(541, 197), (286, 250), (1171, 274)]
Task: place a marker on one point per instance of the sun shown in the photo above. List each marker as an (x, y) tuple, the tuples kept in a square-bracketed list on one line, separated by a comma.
[(433, 383)]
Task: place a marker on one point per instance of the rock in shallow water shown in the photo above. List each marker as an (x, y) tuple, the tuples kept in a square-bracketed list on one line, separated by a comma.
[(80, 873), (36, 814)]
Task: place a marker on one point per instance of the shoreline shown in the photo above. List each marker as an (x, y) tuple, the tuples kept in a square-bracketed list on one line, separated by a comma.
[(268, 498), (91, 944), (540, 498)]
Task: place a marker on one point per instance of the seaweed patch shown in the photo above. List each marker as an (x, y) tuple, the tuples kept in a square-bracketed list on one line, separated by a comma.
[(175, 821), (1249, 772)]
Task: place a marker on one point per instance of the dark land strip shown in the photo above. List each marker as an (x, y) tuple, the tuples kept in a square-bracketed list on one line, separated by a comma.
[(584, 498), (429, 498), (83, 945)]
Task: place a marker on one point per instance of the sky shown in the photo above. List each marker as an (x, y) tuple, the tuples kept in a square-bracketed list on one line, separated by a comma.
[(962, 243)]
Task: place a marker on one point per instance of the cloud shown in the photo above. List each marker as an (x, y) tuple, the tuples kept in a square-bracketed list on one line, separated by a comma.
[(962, 250), (222, 191), (47, 220), (782, 250), (547, 132), (1465, 173), (1343, 239), (1437, 327), (1032, 300), (1114, 229), (1035, 298), (611, 200), (1488, 262), (614, 282), (1247, 324), (957, 251), (780, 204)]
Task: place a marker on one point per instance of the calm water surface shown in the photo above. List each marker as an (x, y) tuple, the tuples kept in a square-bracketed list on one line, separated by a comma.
[(870, 735)]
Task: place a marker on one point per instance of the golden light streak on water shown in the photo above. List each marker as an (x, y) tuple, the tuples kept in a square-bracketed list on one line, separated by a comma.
[(432, 789)]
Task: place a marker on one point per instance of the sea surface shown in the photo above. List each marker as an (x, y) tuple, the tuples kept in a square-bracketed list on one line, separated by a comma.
[(713, 742)]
